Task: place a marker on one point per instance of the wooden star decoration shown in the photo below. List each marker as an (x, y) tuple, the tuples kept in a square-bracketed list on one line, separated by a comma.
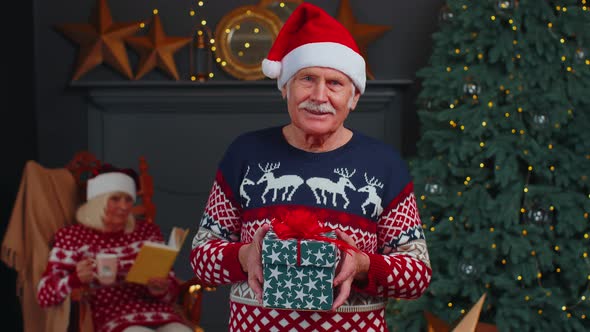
[(467, 323), (363, 34), (157, 50), (102, 41)]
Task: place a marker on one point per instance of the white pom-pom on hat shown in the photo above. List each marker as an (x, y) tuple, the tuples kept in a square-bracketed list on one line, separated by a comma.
[(270, 68)]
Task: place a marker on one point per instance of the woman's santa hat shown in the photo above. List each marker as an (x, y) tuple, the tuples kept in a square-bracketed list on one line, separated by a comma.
[(312, 38), (104, 181), (110, 179)]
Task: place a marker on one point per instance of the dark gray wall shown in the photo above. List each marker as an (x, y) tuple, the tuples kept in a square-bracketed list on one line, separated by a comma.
[(61, 114), (49, 124)]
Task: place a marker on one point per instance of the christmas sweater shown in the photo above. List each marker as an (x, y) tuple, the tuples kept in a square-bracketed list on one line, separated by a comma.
[(117, 306), (362, 188)]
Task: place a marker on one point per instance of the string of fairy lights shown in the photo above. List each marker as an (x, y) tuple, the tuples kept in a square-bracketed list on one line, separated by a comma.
[(471, 88), (204, 39)]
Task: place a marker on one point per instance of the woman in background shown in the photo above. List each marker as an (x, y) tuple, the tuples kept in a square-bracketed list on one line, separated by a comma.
[(107, 226)]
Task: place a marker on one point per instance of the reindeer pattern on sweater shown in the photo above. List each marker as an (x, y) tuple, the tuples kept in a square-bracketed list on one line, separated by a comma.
[(355, 185), (322, 188)]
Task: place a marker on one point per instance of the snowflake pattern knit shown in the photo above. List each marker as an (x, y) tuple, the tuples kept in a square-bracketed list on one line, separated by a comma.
[(362, 188), (114, 307)]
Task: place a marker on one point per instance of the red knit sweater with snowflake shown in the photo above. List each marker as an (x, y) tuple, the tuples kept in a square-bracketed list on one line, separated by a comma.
[(362, 188), (117, 306)]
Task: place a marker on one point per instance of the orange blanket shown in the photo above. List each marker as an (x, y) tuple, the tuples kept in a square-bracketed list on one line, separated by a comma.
[(46, 201)]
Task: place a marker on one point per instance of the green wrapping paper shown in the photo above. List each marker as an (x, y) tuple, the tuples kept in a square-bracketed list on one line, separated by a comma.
[(301, 277)]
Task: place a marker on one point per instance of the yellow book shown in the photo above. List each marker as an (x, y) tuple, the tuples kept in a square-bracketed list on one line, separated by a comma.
[(155, 260)]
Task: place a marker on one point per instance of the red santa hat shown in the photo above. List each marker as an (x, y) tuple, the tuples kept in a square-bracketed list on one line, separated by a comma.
[(111, 179), (312, 38)]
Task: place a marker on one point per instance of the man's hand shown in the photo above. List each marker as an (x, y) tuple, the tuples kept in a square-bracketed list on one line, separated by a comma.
[(85, 270), (251, 261), (354, 265), (158, 286)]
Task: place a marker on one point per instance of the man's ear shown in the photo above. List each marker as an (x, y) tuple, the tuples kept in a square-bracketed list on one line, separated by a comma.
[(355, 99)]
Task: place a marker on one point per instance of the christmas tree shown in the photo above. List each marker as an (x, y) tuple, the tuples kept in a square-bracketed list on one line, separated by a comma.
[(502, 165)]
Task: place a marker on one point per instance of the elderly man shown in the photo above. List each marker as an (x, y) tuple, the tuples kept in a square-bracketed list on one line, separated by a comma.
[(355, 185)]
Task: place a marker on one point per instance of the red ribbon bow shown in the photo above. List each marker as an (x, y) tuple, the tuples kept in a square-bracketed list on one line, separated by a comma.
[(303, 225), (298, 224)]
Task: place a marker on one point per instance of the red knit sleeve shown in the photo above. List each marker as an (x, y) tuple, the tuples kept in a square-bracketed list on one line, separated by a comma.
[(60, 276), (403, 270), (214, 257)]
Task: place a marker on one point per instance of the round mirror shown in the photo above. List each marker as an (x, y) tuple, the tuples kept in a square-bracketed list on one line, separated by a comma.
[(244, 37), (250, 41)]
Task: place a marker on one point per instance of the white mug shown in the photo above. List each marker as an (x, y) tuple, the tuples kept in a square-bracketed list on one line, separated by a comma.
[(106, 268)]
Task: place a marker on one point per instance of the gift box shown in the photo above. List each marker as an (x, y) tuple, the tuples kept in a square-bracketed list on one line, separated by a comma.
[(298, 273)]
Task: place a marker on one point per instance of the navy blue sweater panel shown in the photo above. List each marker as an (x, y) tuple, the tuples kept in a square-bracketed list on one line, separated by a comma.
[(264, 156)]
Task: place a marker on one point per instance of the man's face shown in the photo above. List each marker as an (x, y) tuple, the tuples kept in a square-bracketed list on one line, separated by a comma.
[(319, 99)]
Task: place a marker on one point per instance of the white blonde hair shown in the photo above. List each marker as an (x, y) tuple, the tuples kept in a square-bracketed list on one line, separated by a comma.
[(91, 214)]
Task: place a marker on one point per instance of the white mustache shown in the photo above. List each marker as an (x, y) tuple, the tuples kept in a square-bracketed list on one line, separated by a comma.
[(322, 108)]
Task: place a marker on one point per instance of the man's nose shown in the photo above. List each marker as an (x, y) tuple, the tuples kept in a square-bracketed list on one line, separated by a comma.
[(319, 93)]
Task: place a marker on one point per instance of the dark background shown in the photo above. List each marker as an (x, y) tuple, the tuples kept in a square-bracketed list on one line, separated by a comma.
[(44, 119)]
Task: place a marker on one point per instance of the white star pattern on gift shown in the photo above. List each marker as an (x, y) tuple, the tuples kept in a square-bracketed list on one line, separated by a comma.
[(307, 283), (275, 273)]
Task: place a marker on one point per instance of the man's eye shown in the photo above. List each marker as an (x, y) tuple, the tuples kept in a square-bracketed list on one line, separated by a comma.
[(335, 83)]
